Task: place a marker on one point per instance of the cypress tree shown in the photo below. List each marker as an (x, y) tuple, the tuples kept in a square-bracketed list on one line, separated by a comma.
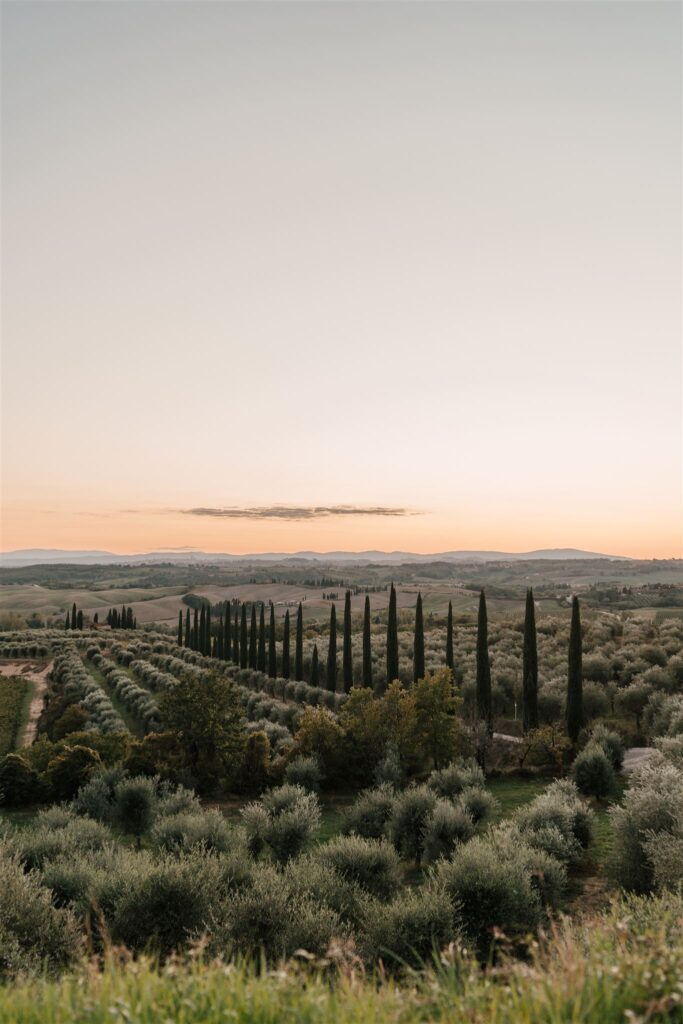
[(285, 648), (449, 637), (219, 637), (67, 623), (331, 674), (261, 654), (180, 628), (367, 645), (79, 619), (299, 644), (74, 616), (392, 638), (202, 630), (187, 628), (347, 650), (109, 618), (122, 620), (244, 639), (227, 648), (209, 649), (253, 639), (483, 694), (195, 632), (272, 649), (96, 617), (419, 642), (315, 668), (575, 676), (529, 667), (236, 636)]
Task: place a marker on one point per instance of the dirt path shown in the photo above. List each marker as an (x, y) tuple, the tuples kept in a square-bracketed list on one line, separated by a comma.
[(38, 676)]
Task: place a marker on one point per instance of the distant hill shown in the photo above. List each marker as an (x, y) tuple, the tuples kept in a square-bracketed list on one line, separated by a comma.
[(59, 556)]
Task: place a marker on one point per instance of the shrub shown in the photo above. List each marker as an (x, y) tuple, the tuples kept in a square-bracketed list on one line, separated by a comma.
[(478, 803), (285, 821), (67, 772), (556, 822), (134, 805), (179, 833), (447, 826), (449, 782), (372, 864), (304, 772), (491, 883), (33, 933), (389, 771), (410, 930), (268, 918), (370, 813), (611, 742), (409, 816), (79, 836), (19, 783), (96, 798), (652, 809), (593, 771)]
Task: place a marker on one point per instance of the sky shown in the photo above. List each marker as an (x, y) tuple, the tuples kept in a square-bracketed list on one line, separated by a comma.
[(319, 276)]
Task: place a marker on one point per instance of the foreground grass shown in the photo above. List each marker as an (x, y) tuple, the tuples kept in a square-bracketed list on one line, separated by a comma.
[(625, 965)]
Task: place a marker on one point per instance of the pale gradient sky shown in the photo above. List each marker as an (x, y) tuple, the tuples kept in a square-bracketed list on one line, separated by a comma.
[(408, 255)]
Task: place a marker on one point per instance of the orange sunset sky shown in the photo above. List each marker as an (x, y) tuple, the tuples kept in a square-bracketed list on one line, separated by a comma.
[(342, 276)]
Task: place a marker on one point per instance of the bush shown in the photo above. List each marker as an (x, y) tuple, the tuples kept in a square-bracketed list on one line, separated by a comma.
[(370, 813), (372, 864), (449, 782), (410, 930), (19, 783), (45, 842), (447, 826), (556, 822), (134, 805), (490, 882), (389, 771), (33, 933), (179, 833), (67, 772), (593, 772), (304, 772), (285, 821), (611, 742), (409, 816), (268, 918), (652, 809), (478, 803)]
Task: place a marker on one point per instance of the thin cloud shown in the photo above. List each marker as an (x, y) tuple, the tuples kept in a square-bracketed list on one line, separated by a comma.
[(297, 512)]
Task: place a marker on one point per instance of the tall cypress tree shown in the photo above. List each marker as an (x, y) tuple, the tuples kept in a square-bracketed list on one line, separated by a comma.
[(253, 638), (331, 674), (483, 694), (299, 644), (187, 628), (236, 636), (195, 631), (67, 622), (315, 668), (285, 648), (261, 653), (244, 639), (209, 648), (79, 619), (180, 628), (220, 636), (392, 638), (272, 649), (202, 630), (419, 642), (74, 616), (575, 676), (449, 636), (367, 645), (347, 650), (227, 631), (529, 667)]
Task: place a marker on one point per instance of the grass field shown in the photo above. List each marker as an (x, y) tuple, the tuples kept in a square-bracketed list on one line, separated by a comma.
[(15, 696), (625, 965)]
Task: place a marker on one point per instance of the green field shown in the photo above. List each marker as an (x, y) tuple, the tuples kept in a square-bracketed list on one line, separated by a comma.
[(14, 700)]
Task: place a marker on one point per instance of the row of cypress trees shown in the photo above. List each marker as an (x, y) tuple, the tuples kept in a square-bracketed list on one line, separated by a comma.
[(244, 642), (123, 619)]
